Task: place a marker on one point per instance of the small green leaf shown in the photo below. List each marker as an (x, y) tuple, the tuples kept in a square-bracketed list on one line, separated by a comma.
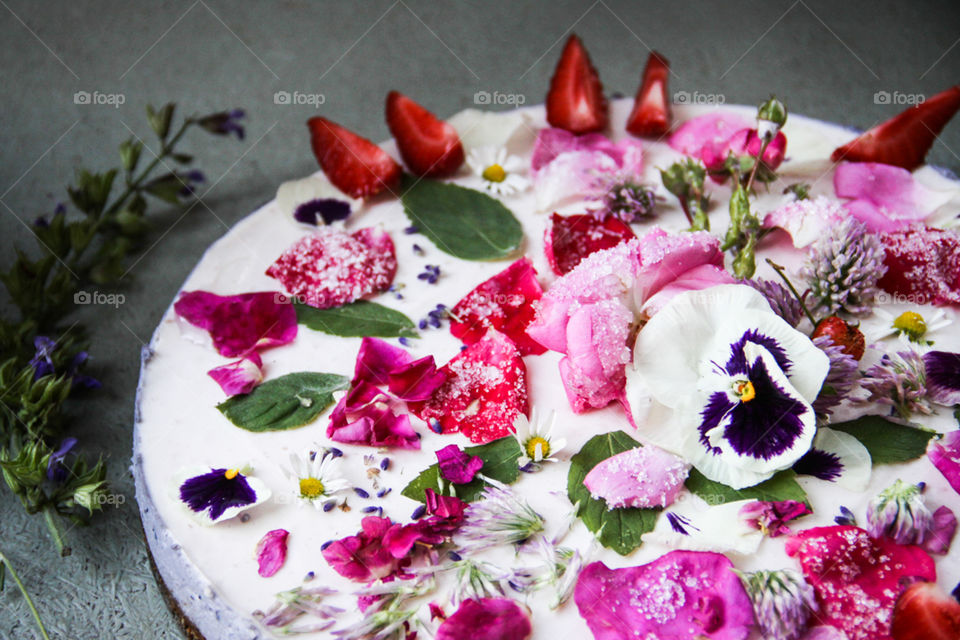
[(887, 441), (782, 486), (286, 402), (463, 222), (499, 462), (358, 319), (617, 529), (130, 154), (160, 120)]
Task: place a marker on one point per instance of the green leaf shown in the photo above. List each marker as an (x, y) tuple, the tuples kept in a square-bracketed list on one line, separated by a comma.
[(617, 529), (160, 120), (286, 402), (499, 462), (887, 441), (782, 486), (357, 319), (463, 222), (130, 154)]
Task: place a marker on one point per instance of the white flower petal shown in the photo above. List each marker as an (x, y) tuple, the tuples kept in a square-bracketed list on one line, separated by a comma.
[(716, 528), (477, 128), (292, 194), (856, 461)]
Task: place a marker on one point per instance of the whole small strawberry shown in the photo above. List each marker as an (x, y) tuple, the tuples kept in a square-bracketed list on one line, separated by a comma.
[(843, 334)]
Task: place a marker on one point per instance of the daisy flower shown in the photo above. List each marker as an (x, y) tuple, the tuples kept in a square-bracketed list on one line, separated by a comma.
[(500, 172), (318, 478), (536, 439), (909, 326)]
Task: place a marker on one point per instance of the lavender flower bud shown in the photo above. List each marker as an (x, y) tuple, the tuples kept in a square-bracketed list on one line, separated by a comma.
[(782, 602), (899, 512)]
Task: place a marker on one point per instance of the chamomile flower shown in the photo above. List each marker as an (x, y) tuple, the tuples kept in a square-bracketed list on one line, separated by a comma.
[(500, 173), (536, 439), (318, 478), (909, 325)]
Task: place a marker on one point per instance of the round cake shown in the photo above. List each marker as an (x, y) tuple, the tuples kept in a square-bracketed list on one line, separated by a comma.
[(601, 431)]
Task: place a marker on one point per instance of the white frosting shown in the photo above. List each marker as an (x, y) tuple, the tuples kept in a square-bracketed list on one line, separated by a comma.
[(212, 572)]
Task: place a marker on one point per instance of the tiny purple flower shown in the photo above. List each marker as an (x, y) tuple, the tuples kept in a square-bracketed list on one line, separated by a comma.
[(56, 470), (431, 273), (42, 362), (224, 123)]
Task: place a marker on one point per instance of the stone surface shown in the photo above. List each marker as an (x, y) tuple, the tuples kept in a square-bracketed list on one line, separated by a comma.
[(827, 61)]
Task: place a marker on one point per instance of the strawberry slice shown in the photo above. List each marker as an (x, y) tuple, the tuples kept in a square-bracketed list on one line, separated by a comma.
[(925, 612), (904, 139), (430, 147), (486, 389), (843, 334), (575, 101), (505, 303), (923, 265), (352, 163), (651, 107), (570, 239)]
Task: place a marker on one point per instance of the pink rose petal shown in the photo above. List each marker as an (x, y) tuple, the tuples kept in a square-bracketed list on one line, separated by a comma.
[(330, 268), (363, 557), (486, 619), (239, 377), (682, 594), (364, 416), (944, 454), (241, 323), (456, 465), (857, 579), (884, 197), (272, 552), (806, 220), (707, 134), (376, 359), (942, 529), (641, 477)]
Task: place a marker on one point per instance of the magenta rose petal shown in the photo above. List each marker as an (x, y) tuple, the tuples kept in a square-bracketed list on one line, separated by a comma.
[(641, 477), (376, 359), (272, 552), (944, 454), (456, 465), (241, 323), (682, 594), (943, 526), (486, 619), (363, 416), (239, 377), (416, 380)]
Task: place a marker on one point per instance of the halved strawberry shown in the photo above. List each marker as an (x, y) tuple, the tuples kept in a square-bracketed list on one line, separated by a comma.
[(923, 265), (486, 389), (925, 612), (430, 147), (904, 139), (843, 334), (353, 164), (505, 303), (570, 239), (575, 101), (651, 107)]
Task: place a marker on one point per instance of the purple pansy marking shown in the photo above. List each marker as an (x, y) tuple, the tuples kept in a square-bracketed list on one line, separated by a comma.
[(737, 364), (943, 376), (680, 524), (819, 464), (214, 492), (326, 209), (716, 410)]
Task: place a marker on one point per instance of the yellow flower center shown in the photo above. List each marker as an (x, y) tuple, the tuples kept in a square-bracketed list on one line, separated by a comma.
[(494, 173), (311, 488), (532, 447), (230, 474), (911, 323), (744, 389)]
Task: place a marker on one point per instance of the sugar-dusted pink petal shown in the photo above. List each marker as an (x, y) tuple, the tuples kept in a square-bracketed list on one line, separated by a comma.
[(856, 578), (665, 257), (241, 323), (272, 552), (551, 143), (486, 619), (807, 220), (942, 529), (364, 416), (944, 454), (456, 465), (707, 134), (330, 267), (593, 371), (682, 594), (641, 477), (239, 377)]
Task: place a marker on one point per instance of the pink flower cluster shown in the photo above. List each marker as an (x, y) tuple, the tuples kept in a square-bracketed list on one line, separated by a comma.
[(713, 137)]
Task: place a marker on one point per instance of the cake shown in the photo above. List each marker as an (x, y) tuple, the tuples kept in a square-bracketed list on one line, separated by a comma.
[(485, 347)]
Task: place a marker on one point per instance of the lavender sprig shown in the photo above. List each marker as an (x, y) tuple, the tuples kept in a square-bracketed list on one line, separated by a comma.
[(500, 517)]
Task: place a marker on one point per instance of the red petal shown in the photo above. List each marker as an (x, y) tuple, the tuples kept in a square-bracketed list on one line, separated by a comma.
[(923, 265), (570, 239)]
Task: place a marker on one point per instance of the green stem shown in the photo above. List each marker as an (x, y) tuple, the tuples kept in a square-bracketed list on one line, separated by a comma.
[(26, 596), (783, 276), (756, 165), (53, 526)]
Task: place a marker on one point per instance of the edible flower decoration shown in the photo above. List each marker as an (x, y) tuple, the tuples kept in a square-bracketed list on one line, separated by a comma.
[(837, 457), (271, 552), (500, 517), (536, 440), (456, 465), (908, 382), (314, 201), (241, 376), (318, 477), (241, 323), (486, 619), (499, 172), (215, 495), (682, 594), (782, 601), (900, 513), (772, 517), (910, 325), (944, 454), (806, 220), (642, 477), (693, 525), (722, 381)]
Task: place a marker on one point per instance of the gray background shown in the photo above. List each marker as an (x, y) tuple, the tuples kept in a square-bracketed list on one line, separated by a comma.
[(825, 59)]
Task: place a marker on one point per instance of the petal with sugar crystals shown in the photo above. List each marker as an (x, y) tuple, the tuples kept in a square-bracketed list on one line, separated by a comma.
[(640, 477)]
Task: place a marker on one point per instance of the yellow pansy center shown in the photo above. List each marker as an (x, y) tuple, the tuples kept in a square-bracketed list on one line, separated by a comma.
[(311, 488), (744, 389), (494, 173), (230, 474), (911, 323), (532, 447)]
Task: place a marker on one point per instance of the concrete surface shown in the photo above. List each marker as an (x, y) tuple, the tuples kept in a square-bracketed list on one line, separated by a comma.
[(825, 59)]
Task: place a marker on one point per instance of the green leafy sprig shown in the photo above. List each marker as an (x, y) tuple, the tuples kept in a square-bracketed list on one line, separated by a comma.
[(685, 180)]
